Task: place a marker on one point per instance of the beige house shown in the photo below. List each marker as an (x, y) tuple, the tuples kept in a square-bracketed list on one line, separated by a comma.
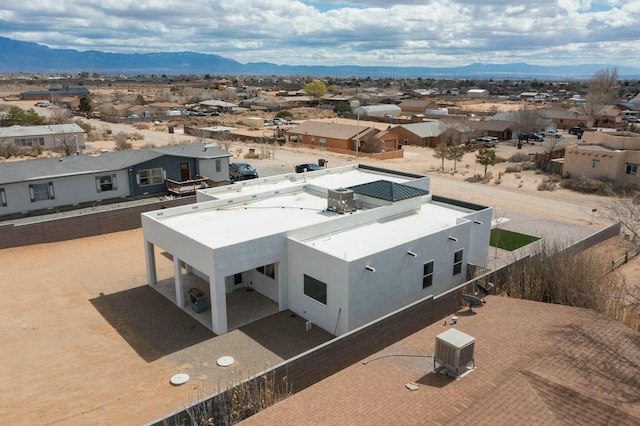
[(49, 136), (614, 155), (331, 135)]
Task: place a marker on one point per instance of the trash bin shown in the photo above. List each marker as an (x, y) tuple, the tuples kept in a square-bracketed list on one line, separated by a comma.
[(519, 145), (322, 162), (170, 129)]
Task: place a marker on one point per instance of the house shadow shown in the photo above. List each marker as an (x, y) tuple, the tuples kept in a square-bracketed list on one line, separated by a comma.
[(152, 325), (285, 334)]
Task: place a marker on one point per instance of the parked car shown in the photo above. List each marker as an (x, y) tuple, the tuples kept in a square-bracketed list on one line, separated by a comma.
[(242, 171), (576, 130), (307, 167), (487, 141), (633, 119), (553, 133), (279, 121), (532, 137)]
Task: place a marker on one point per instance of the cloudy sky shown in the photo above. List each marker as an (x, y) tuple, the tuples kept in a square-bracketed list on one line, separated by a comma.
[(435, 33)]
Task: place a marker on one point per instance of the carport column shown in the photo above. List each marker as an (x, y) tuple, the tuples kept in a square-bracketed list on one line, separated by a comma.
[(218, 304), (177, 274), (150, 257)]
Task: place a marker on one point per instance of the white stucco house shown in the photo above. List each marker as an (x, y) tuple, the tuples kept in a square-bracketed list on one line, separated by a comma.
[(339, 247)]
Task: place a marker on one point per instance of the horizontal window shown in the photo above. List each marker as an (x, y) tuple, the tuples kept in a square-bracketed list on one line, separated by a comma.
[(151, 177), (315, 289)]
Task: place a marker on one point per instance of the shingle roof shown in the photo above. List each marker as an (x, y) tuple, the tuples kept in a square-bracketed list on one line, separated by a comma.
[(329, 130), (51, 129), (536, 363), (388, 191), (47, 168)]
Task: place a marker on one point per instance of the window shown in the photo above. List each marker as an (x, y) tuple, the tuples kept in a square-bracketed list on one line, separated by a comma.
[(322, 141), (237, 278), (427, 274), (594, 164), (406, 141), (3, 198), (151, 177), (313, 140), (29, 141), (41, 191), (268, 270), (106, 183), (457, 262), (315, 289), (632, 169), (218, 166)]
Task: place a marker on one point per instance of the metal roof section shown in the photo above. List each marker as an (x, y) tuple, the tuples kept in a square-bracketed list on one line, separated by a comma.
[(49, 129), (388, 191), (47, 168), (428, 129)]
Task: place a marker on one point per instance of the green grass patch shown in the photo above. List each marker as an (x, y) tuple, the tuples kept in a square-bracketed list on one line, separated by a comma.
[(509, 240)]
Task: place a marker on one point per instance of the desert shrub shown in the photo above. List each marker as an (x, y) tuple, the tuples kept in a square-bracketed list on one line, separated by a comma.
[(475, 178), (121, 142), (8, 150), (513, 169), (584, 184), (519, 157), (135, 136), (488, 176), (528, 165), (554, 178), (547, 185), (141, 126)]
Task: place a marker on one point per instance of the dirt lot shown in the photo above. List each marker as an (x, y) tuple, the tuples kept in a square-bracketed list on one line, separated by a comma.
[(84, 341)]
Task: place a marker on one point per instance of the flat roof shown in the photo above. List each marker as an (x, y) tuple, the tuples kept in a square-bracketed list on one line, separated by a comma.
[(253, 209), (354, 243)]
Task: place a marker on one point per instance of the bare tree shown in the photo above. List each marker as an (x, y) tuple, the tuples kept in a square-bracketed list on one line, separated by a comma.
[(602, 87), (121, 141), (371, 143), (526, 120), (66, 144), (625, 209), (60, 116)]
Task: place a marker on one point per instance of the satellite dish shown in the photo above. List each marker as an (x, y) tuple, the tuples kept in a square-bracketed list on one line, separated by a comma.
[(484, 290), (472, 301)]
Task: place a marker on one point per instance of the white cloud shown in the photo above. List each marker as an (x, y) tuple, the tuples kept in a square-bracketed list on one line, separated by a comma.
[(361, 32)]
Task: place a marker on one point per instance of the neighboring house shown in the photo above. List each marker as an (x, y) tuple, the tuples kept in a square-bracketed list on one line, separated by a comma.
[(54, 94), (215, 105), (478, 93), (501, 129), (331, 135), (264, 104), (427, 133), (380, 110), (161, 108), (418, 106), (49, 136), (339, 247), (603, 115), (50, 183), (115, 110), (565, 119), (612, 155)]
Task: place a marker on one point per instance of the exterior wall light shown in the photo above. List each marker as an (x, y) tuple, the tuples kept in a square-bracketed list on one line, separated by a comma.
[(410, 253), (453, 238), (370, 268)]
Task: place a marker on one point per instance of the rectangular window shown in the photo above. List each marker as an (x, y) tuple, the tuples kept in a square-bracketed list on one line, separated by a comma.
[(427, 274), (632, 169), (106, 183), (313, 140), (315, 289), (41, 191), (457, 262), (268, 270), (594, 164), (3, 198), (322, 142), (218, 166), (151, 177)]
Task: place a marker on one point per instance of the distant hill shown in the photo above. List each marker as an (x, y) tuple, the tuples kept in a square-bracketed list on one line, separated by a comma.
[(20, 56)]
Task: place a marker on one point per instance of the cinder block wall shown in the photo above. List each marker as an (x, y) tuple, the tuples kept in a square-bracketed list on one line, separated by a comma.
[(80, 226)]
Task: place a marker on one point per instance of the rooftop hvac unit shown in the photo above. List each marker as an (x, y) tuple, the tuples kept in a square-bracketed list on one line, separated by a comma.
[(341, 200), (454, 352)]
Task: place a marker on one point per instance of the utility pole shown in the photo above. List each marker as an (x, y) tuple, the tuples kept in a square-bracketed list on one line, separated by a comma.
[(357, 135)]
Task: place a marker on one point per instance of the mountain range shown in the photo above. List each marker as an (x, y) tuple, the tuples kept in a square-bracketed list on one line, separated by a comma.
[(19, 56)]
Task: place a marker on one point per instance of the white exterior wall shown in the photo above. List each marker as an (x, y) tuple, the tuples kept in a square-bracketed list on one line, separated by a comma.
[(207, 168), (328, 269), (397, 280), (68, 191)]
